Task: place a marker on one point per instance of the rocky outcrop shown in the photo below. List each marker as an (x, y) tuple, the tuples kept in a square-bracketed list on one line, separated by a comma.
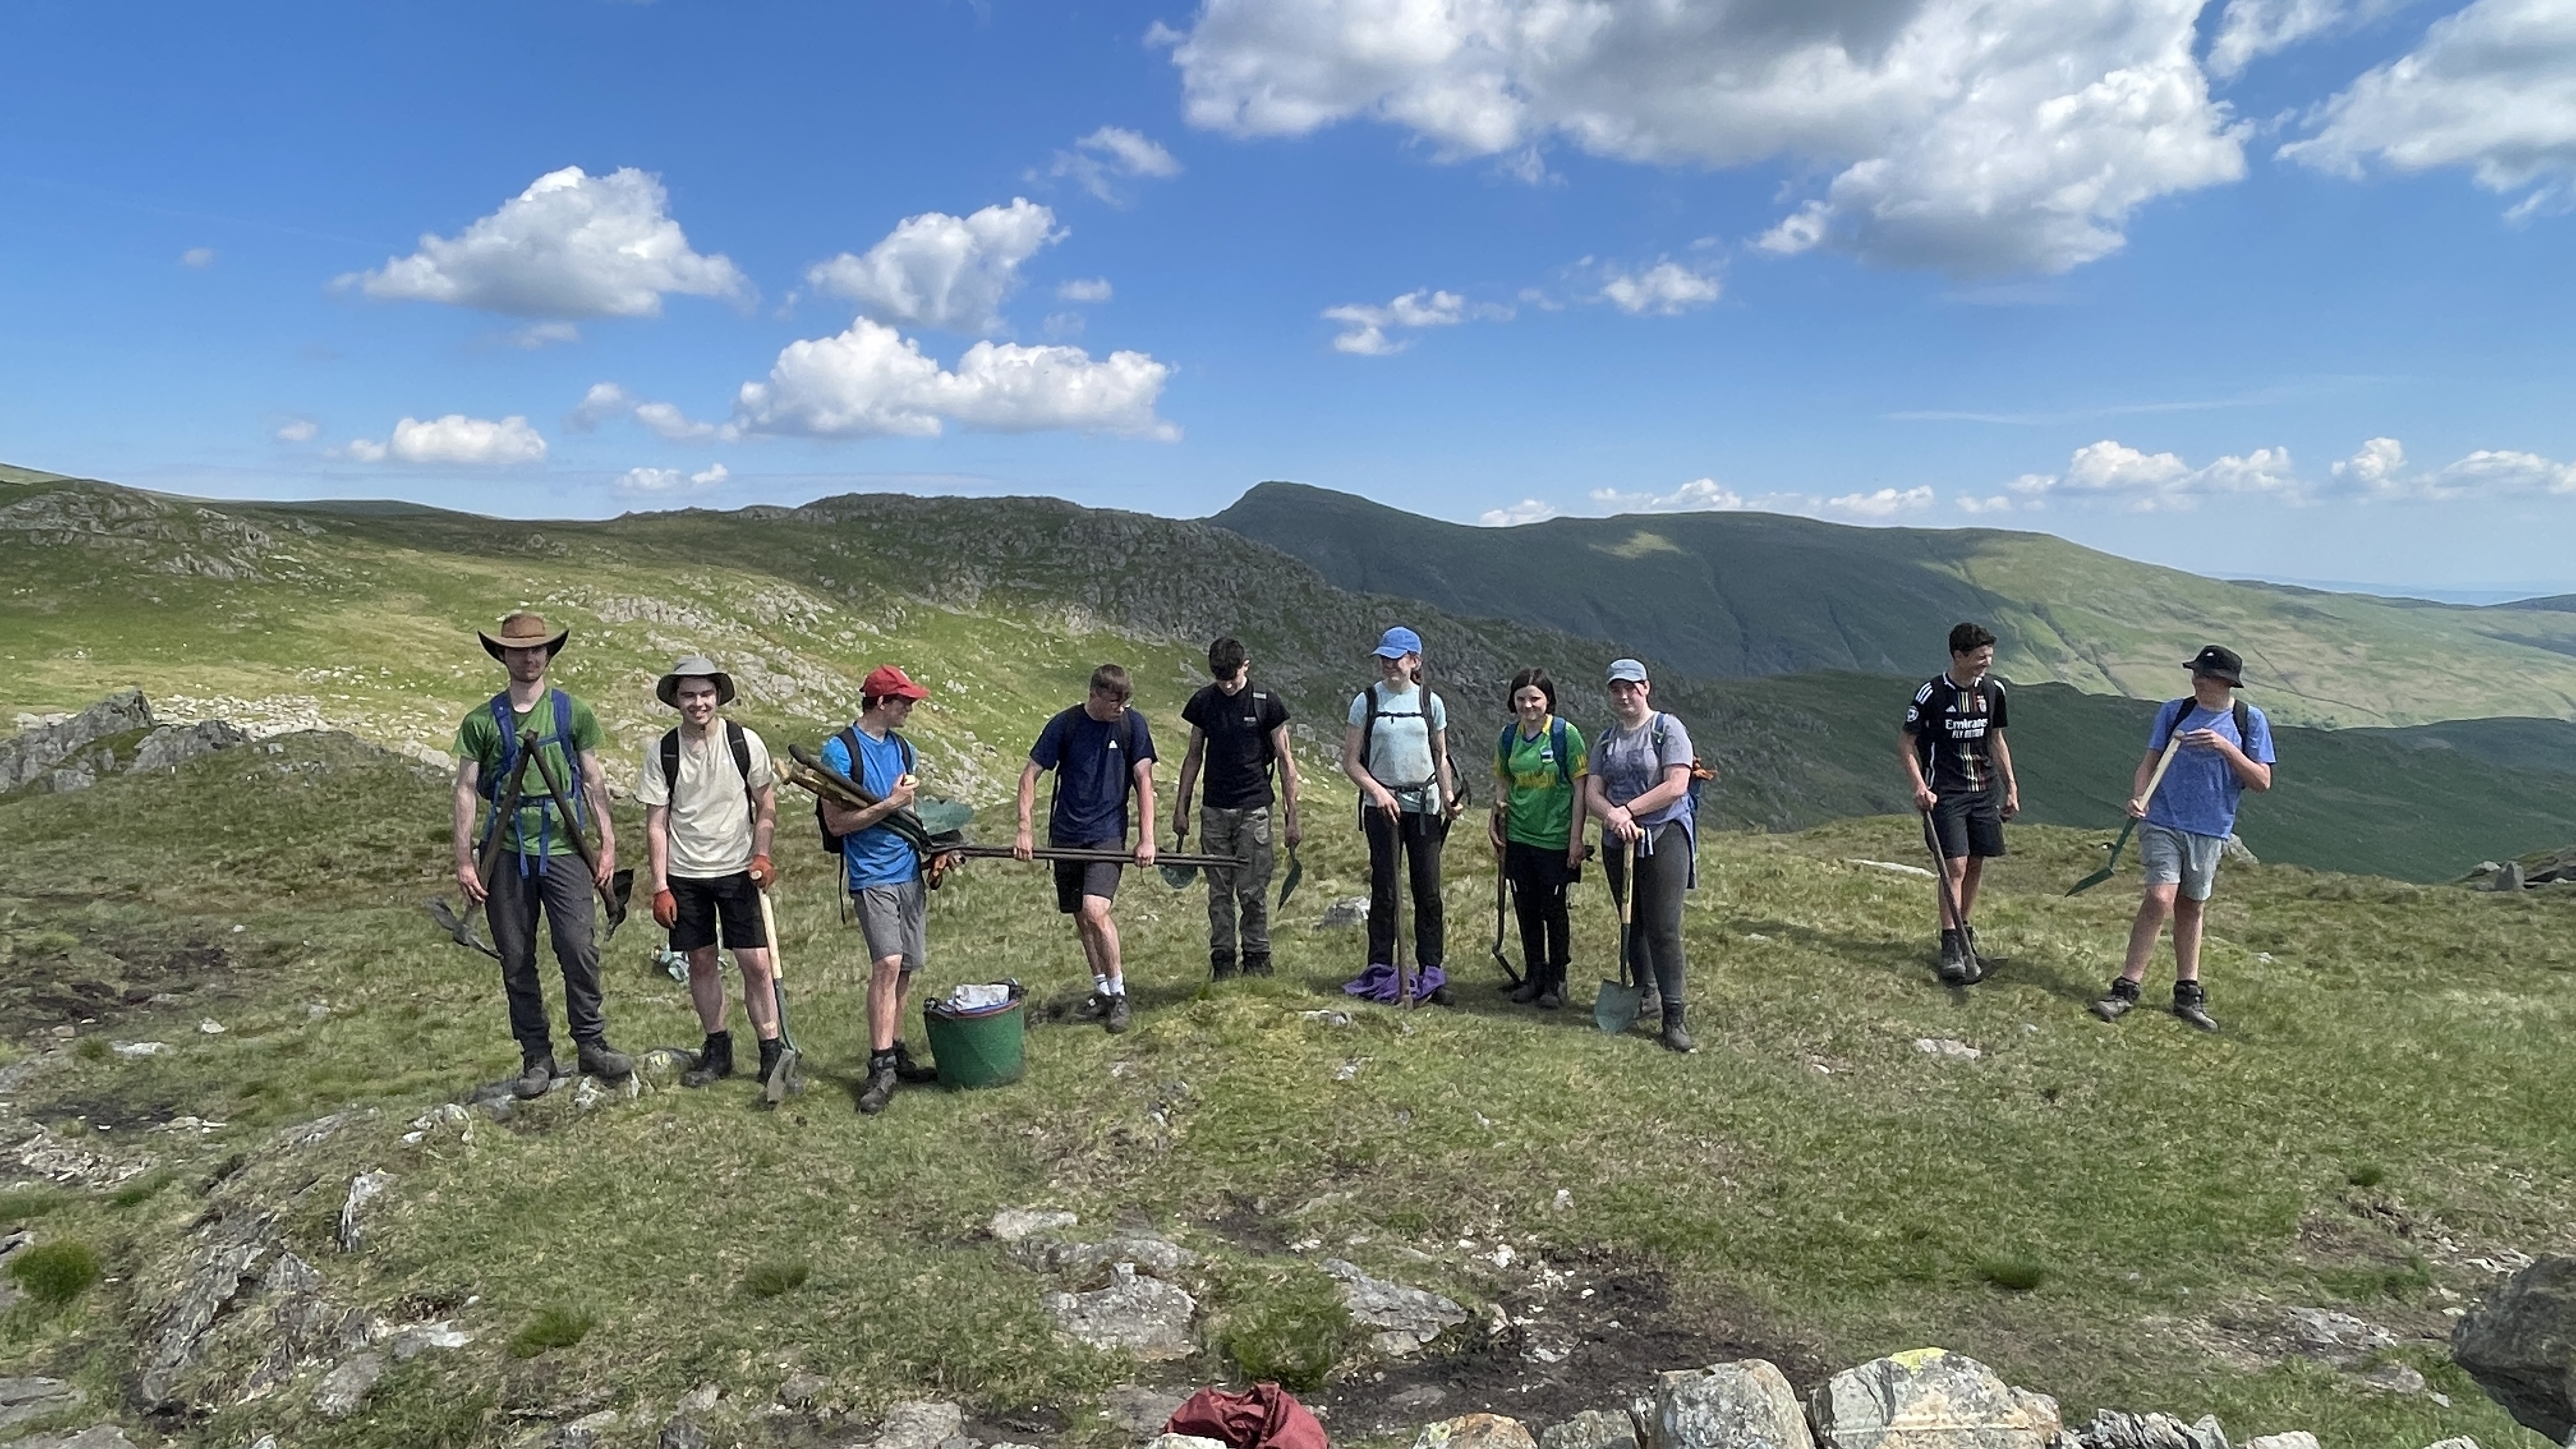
[(2112, 1429), (1742, 1405), (22, 1400), (174, 745), (1593, 1429), (2519, 1343), (1930, 1398), (1143, 1316), (220, 1269), (1406, 1319), (34, 754)]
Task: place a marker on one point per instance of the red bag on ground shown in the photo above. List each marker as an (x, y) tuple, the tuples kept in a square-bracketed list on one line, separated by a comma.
[(1264, 1416)]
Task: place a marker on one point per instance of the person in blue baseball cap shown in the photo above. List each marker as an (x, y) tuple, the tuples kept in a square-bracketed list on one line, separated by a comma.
[(1397, 751)]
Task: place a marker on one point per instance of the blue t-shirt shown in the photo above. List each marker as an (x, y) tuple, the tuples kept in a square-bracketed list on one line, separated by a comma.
[(1093, 773), (2199, 792), (875, 856)]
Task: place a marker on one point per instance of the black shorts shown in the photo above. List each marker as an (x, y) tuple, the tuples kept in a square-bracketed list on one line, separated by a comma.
[(1075, 879), (731, 902), (1971, 825)]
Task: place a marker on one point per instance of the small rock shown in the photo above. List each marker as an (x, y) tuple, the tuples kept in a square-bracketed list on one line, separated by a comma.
[(211, 1027), (346, 1387), (1145, 1316), (588, 1094), (1742, 1405), (1141, 1412), (1148, 1251), (365, 1188), (802, 1389), (1344, 913), (171, 745), (2396, 1378), (1930, 1398), (1564, 1200), (682, 1433), (412, 1342), (1593, 1429), (1012, 1224), (2327, 1333), (582, 1433), (34, 1398), (919, 1424), (1945, 1047), (665, 1060), (2290, 1439), (2112, 1429), (1187, 1441), (2507, 879), (1420, 1396), (1408, 1318), (1475, 1431), (2456, 1441), (138, 1048), (1327, 1018), (702, 1398), (96, 1436), (2237, 852)]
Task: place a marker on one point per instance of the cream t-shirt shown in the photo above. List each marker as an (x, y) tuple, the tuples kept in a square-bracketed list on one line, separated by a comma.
[(711, 814)]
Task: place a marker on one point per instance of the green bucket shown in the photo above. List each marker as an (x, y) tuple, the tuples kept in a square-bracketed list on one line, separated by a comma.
[(978, 1051)]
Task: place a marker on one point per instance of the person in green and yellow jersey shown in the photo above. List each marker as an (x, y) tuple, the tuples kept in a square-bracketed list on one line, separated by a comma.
[(1539, 765)]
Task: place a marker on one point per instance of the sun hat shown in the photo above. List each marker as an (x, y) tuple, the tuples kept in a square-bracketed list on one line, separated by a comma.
[(1397, 642), (2218, 662), (886, 681), (696, 666), (1627, 669), (524, 630)]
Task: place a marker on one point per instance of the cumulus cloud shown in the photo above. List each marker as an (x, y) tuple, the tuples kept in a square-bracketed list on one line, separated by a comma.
[(873, 381), (2121, 476), (2491, 88), (1976, 136), (1111, 154), (1665, 289), (1996, 503), (1528, 510), (543, 334), (1087, 289), (1883, 503), (1701, 495), (664, 482), (572, 245), (455, 440), (197, 257), (937, 270), (607, 400), (2379, 472), (298, 430), (2251, 29), (1364, 328)]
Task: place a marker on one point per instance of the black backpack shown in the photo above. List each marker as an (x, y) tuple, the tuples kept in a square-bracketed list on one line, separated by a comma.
[(849, 738), (734, 738), (2241, 712)]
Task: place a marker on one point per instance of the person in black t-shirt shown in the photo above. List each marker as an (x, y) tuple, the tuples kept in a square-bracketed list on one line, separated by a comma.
[(1101, 751), (1239, 733), (1962, 774)]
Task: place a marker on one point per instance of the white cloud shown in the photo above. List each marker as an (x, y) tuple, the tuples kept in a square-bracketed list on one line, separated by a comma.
[(2114, 473), (663, 482), (2378, 472), (937, 270), (298, 430), (454, 439), (1089, 289), (1977, 136), (666, 420), (571, 245), (197, 257), (1703, 495), (1528, 510), (2491, 88), (543, 334), (1364, 327), (607, 400), (872, 381), (2251, 29), (1998, 503), (1665, 289), (1884, 503), (1110, 154)]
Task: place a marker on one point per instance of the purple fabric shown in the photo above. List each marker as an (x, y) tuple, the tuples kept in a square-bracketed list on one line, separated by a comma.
[(1378, 983)]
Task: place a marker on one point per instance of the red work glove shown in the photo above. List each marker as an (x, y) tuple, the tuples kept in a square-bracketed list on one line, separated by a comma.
[(763, 874), (666, 910)]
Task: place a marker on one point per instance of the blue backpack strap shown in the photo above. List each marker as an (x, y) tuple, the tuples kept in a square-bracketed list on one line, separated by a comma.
[(1564, 757), (1503, 748)]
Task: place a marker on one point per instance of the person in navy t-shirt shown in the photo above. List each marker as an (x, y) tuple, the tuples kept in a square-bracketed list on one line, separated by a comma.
[(1099, 750), (2224, 749)]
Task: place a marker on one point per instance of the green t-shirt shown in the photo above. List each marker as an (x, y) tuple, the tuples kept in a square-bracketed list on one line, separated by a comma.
[(1542, 805), (478, 740)]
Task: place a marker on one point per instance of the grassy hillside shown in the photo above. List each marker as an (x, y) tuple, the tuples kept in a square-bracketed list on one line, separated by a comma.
[(1751, 594), (2123, 1217), (360, 617)]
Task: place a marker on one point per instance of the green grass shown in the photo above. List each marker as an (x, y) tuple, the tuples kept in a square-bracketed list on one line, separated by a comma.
[(552, 1329), (57, 1273), (772, 1277), (2012, 1274)]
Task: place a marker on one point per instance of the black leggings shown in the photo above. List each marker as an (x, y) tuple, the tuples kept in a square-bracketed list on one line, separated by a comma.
[(1539, 878), (1655, 935), (1417, 839)]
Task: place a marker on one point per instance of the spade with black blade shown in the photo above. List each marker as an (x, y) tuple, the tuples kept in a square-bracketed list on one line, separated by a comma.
[(458, 929), (612, 894), (782, 1076), (2130, 824), (1615, 1005), (505, 807)]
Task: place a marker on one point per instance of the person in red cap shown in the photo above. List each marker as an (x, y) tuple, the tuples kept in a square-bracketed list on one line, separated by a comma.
[(881, 870)]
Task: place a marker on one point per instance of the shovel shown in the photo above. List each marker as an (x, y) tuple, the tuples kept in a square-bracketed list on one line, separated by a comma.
[(781, 1083), (2131, 824), (458, 929), (1501, 886), (1288, 883), (1614, 1007), (1950, 900), (613, 896), (505, 809)]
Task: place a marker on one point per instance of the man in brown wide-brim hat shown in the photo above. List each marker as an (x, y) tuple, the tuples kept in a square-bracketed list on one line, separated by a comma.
[(538, 870)]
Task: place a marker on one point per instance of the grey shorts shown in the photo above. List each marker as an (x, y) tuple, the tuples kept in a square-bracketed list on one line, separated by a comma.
[(892, 918), (2178, 856)]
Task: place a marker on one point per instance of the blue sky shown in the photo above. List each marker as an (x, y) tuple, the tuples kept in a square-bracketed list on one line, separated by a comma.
[(2261, 287)]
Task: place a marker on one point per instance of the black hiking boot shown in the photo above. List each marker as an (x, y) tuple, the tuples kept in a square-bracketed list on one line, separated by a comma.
[(1954, 963), (1221, 966), (880, 1088), (1674, 1038), (1528, 991), (605, 1062), (908, 1070), (2191, 1003), (1551, 997), (770, 1050), (1256, 963), (1115, 1016), (715, 1061), (1440, 996), (536, 1076), (2115, 1003), (1650, 1007)]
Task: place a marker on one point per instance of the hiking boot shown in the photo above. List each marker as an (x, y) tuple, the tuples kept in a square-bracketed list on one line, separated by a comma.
[(1972, 958), (908, 1070), (1116, 1015), (2191, 1003), (1674, 1038), (1549, 998), (1527, 992), (880, 1088), (536, 1076), (1650, 1007), (605, 1062), (770, 1051), (2115, 1003), (715, 1061), (1440, 996), (1954, 963), (1221, 965), (1256, 963)]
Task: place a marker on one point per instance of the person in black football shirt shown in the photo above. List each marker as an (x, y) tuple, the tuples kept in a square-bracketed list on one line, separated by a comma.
[(1240, 734), (1962, 773)]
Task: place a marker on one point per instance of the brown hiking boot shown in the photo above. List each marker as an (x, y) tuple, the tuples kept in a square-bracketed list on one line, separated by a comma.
[(605, 1062)]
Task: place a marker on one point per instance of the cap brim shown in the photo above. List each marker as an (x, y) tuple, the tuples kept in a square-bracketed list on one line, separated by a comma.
[(667, 688), (493, 647)]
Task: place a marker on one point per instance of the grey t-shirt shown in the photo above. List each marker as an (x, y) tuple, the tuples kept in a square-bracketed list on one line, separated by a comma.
[(1400, 747), (1631, 762)]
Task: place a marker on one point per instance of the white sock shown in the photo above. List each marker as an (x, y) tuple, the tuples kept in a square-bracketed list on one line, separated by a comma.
[(1100, 984), (1117, 985)]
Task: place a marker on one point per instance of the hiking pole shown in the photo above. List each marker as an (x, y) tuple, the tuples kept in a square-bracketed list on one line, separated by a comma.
[(2126, 826), (505, 806), (1950, 900), (609, 898), (777, 1088)]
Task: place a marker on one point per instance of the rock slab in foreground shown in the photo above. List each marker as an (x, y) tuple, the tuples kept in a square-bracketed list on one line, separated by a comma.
[(1406, 1318), (1743, 1405), (1931, 1398), (2292, 1439), (919, 1424), (1475, 1431), (1593, 1429), (2519, 1343), (34, 1398), (96, 1436), (1145, 1316), (2112, 1429)]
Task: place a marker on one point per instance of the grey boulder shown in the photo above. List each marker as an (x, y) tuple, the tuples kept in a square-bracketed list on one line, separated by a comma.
[(345, 1388), (1406, 1319), (1593, 1429), (1743, 1405), (1931, 1398), (1144, 1316), (2519, 1343), (2112, 1429)]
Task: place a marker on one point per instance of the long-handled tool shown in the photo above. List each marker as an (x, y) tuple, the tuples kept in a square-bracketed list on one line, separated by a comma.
[(1288, 883), (458, 929), (1403, 976), (612, 892), (2131, 824), (1502, 885), (505, 810), (1614, 1007), (1975, 969), (782, 1077)]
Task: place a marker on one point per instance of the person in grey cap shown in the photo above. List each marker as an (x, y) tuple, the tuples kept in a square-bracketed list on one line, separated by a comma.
[(1643, 785), (710, 801), (2221, 747)]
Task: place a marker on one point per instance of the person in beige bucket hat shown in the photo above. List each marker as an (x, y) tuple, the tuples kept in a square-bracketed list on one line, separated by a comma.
[(537, 869)]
